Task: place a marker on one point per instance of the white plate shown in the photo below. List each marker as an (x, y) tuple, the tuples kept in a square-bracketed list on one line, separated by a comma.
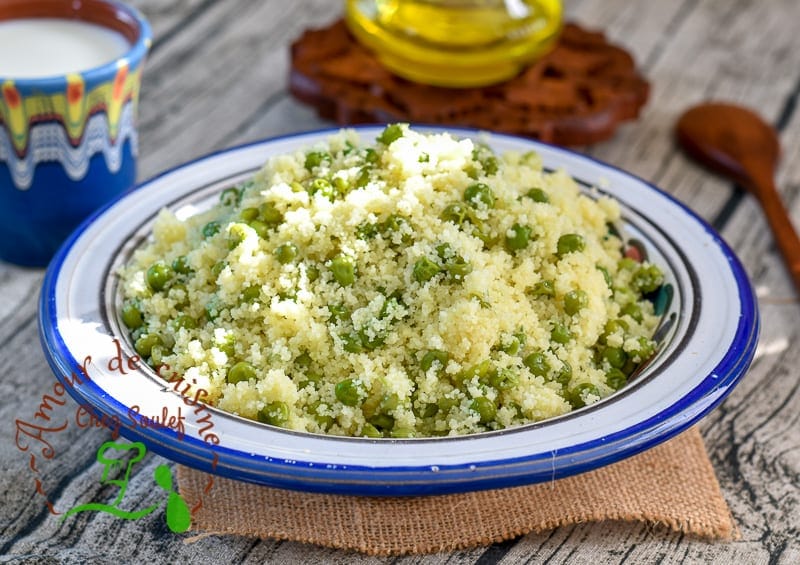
[(707, 348)]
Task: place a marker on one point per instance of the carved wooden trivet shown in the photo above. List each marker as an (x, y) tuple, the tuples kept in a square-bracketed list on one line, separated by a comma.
[(574, 95)]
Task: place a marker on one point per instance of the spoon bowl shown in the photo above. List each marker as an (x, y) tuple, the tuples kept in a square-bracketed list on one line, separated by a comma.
[(738, 144)]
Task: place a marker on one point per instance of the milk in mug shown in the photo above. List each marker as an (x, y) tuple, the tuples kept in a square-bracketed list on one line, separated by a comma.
[(47, 47)]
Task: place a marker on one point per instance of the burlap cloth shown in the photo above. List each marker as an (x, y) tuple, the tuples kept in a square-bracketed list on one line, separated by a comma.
[(672, 485)]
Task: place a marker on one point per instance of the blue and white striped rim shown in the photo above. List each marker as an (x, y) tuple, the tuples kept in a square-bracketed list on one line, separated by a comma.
[(706, 354)]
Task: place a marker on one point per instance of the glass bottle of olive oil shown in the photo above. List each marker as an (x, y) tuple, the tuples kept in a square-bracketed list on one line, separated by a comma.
[(455, 43)]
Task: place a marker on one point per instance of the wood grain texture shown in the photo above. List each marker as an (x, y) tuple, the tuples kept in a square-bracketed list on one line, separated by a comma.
[(217, 77)]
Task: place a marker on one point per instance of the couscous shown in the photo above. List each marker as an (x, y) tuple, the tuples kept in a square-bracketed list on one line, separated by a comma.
[(417, 286)]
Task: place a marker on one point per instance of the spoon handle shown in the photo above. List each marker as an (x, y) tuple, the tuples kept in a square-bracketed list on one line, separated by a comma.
[(782, 228)]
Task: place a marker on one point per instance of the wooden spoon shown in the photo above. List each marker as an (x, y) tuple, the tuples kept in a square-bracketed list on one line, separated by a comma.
[(737, 143)]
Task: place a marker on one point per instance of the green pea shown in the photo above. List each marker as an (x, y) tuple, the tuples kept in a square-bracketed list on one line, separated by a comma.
[(504, 379), (445, 403), (286, 253), (248, 214), (561, 334), (366, 231), (544, 288), (230, 197), (316, 158), (167, 340), (575, 301), (144, 345), (425, 270), (132, 315), (290, 294), (564, 374), (615, 378), (402, 433), (324, 187), (275, 413), (211, 229), (241, 371), (352, 343), (430, 410), (371, 156), (456, 213), (181, 265), (159, 275), (236, 234), (312, 378), (486, 409), (269, 214), (218, 267), (627, 264), (518, 237), (363, 177), (479, 193), (389, 402), (578, 396), (611, 327), (393, 224), (570, 243), (633, 310), (347, 392), (390, 134), (483, 154), (341, 185), (382, 421), (338, 312), (513, 346), (482, 231), (644, 349), (369, 341), (312, 272), (647, 278), (250, 293), (480, 371), (458, 268), (260, 228), (344, 269), (538, 195), (184, 321), (615, 356), (489, 165), (324, 421), (303, 360), (368, 430), (537, 363), (434, 356), (228, 347)]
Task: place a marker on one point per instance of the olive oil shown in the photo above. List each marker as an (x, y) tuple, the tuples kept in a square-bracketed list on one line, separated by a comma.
[(455, 43)]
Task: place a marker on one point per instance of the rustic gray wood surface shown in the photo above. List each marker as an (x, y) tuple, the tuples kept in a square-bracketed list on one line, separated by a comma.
[(217, 76)]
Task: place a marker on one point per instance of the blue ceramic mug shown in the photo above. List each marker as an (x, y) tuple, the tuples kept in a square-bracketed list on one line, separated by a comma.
[(68, 140)]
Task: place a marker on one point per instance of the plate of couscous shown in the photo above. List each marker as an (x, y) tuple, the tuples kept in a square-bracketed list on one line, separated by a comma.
[(397, 311)]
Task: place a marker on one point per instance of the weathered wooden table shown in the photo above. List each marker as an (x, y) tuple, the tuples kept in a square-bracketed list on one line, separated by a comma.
[(217, 76)]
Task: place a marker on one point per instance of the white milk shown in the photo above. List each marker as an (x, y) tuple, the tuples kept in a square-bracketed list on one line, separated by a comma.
[(46, 47)]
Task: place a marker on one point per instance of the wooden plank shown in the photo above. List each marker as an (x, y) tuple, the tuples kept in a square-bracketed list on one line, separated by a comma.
[(216, 74), (166, 17)]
